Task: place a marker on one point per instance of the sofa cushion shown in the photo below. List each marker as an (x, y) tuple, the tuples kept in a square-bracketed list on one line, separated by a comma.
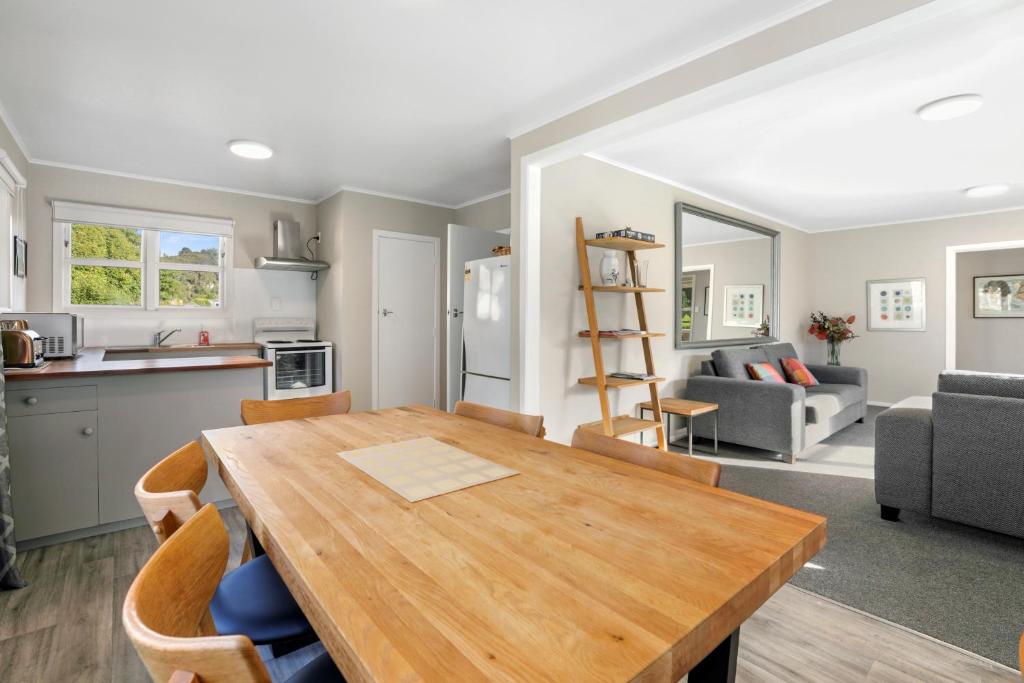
[(797, 373), (776, 352), (733, 362), (981, 384), (845, 394), (764, 372)]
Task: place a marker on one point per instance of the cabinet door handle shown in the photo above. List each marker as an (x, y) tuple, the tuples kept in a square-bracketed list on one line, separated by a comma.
[(31, 400), (88, 431)]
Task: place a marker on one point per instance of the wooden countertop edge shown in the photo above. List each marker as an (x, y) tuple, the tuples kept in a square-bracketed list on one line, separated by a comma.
[(90, 363)]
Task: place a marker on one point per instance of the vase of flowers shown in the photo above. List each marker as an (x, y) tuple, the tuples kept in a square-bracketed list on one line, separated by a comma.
[(834, 331)]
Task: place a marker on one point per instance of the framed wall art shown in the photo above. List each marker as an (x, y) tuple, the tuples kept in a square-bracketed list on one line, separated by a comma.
[(897, 305), (20, 257), (999, 296), (744, 305)]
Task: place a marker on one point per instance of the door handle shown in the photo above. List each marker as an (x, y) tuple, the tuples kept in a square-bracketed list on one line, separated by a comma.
[(88, 431), (385, 312), (455, 313), (31, 400)]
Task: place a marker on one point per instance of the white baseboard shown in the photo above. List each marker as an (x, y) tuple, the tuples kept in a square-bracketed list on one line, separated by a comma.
[(880, 404)]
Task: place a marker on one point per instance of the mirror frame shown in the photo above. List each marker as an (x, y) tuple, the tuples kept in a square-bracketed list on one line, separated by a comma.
[(682, 208)]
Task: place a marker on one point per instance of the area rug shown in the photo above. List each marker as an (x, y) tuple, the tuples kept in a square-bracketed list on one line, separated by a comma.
[(961, 585)]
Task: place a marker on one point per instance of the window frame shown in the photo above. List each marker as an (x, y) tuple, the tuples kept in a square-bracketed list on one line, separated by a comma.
[(152, 224)]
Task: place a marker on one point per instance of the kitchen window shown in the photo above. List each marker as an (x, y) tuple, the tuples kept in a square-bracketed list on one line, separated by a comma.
[(109, 259)]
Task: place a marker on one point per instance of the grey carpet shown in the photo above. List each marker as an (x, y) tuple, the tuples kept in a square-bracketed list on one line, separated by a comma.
[(961, 585)]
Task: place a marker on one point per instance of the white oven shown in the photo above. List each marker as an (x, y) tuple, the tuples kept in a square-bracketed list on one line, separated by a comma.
[(297, 369), (301, 364)]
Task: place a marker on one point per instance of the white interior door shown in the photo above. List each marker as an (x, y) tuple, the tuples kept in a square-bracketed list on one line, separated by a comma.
[(464, 244), (406, 282)]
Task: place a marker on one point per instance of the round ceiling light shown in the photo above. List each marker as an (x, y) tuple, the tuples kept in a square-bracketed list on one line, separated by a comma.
[(950, 107), (248, 149), (993, 190)]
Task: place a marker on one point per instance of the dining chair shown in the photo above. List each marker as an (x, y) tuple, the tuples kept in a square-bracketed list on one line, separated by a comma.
[(527, 424), (676, 464), (251, 600), (257, 412), (166, 614)]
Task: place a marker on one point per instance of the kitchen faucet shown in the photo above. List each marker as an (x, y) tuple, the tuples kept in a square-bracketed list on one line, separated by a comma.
[(163, 335)]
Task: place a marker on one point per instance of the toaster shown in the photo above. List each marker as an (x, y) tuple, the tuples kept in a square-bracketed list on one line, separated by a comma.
[(22, 348)]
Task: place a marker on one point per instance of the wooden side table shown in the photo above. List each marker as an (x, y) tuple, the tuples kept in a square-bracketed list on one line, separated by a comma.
[(684, 408)]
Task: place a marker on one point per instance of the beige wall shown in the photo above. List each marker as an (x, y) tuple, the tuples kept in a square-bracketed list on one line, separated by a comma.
[(607, 196), (253, 216), (899, 364), (491, 214), (344, 293), (987, 344)]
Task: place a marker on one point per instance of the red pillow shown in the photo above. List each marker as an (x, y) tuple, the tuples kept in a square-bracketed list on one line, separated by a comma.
[(797, 373), (764, 372)]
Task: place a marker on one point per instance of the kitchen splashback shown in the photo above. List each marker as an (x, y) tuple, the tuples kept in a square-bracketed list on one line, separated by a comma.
[(255, 295)]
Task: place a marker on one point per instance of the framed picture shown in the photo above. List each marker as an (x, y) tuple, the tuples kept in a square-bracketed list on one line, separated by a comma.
[(744, 305), (897, 305), (20, 257), (999, 296)]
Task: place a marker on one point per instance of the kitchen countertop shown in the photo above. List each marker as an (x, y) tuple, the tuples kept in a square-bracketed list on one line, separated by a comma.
[(90, 363)]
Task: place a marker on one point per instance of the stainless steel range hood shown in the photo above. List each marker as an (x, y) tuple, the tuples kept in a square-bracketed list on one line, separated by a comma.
[(288, 251)]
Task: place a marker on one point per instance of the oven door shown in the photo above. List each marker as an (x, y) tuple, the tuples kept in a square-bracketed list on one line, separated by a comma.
[(298, 371)]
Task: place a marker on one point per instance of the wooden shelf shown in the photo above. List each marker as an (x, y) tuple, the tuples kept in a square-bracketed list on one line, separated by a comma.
[(624, 290), (623, 425), (623, 244), (619, 382), (638, 335)]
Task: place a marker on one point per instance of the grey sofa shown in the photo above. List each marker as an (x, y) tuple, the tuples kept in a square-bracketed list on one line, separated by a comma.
[(958, 455), (786, 418)]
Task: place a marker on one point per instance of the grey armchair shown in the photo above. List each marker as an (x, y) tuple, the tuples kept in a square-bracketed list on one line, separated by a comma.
[(957, 455), (779, 417)]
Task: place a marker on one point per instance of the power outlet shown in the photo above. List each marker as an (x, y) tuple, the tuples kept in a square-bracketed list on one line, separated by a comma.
[(275, 303)]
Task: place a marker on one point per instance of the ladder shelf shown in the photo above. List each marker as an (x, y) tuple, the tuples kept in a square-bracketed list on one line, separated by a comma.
[(620, 425)]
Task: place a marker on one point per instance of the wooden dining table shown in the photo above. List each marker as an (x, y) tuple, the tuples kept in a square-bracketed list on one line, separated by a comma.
[(578, 568)]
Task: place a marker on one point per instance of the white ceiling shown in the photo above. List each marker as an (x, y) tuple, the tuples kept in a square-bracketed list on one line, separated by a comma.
[(843, 147), (409, 97)]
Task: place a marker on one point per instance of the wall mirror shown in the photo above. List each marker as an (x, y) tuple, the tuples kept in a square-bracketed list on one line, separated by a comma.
[(727, 280)]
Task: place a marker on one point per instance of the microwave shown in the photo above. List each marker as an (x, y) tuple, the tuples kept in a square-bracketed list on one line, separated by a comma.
[(63, 333)]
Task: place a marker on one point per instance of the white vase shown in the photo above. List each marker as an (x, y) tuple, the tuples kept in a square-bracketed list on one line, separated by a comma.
[(610, 268)]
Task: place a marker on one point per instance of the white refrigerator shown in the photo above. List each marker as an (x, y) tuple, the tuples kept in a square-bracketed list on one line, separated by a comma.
[(487, 332)]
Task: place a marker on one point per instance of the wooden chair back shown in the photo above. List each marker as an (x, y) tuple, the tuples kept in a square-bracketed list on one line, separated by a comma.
[(169, 492), (676, 464), (166, 613), (257, 412), (527, 424)]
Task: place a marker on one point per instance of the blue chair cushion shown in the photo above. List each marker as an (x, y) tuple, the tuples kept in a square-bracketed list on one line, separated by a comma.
[(320, 670), (253, 601)]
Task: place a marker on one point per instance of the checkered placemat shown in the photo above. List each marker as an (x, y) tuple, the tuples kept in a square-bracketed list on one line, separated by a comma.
[(424, 468)]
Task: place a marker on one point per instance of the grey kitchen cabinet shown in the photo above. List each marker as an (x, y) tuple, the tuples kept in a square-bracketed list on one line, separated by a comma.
[(66, 480), (54, 468)]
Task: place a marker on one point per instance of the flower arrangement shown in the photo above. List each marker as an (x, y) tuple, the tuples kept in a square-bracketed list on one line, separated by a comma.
[(833, 330), (764, 329)]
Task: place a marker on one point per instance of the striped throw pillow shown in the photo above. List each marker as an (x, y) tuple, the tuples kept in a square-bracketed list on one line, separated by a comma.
[(797, 373), (764, 372)]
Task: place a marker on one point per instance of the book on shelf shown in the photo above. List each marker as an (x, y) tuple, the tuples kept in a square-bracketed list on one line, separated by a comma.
[(624, 332), (631, 375), (628, 233)]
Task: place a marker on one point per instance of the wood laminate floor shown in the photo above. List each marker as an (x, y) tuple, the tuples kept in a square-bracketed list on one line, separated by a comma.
[(65, 626)]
